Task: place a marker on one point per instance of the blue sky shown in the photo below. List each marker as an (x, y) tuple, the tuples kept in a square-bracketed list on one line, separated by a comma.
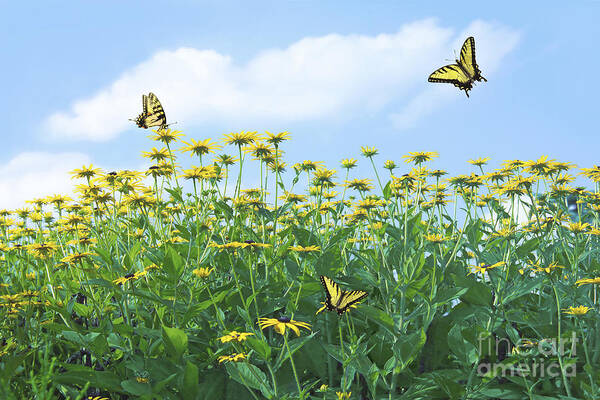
[(337, 75)]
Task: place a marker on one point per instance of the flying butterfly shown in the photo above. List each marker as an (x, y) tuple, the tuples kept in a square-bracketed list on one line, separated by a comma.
[(464, 72), (152, 114), (337, 299)]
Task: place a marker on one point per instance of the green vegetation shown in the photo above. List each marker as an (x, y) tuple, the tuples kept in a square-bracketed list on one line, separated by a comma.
[(178, 284)]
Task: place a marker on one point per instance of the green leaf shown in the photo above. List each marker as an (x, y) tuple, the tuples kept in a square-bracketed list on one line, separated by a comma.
[(527, 247), (161, 384), (74, 337), (80, 375), (11, 361), (261, 347), (175, 193), (408, 347), (131, 256), (295, 345), (190, 381), (136, 388), (387, 190), (463, 350), (173, 265), (213, 384), (175, 340), (82, 310), (523, 288), (446, 295), (381, 318), (251, 376), (104, 254)]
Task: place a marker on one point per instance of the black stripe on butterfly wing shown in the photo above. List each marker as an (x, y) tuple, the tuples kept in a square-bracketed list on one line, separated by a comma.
[(356, 295), (469, 45), (324, 283), (156, 113), (144, 105), (444, 70)]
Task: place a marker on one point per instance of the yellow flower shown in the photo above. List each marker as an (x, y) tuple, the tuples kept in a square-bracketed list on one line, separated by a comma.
[(389, 165), (368, 151), (275, 139), (234, 358), (580, 310), (254, 245), (482, 267), (76, 257), (343, 395), (578, 227), (166, 135), (85, 172), (308, 165), (586, 281), (362, 185), (480, 161), (157, 155), (234, 335), (200, 148), (420, 157), (202, 272), (349, 163), (282, 323), (241, 139), (225, 159), (42, 250), (537, 268), (307, 249), (591, 173), (129, 277), (293, 198), (323, 176), (539, 167), (434, 238)]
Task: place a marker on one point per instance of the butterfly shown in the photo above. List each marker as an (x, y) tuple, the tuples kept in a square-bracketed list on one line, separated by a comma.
[(152, 114), (464, 72), (337, 299)]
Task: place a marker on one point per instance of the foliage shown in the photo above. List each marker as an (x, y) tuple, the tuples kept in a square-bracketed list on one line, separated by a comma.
[(153, 285)]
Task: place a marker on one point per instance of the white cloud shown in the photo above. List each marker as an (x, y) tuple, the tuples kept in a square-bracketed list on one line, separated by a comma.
[(314, 78), (36, 174), (493, 42)]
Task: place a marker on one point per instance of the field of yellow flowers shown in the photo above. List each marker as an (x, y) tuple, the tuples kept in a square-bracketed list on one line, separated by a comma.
[(177, 283)]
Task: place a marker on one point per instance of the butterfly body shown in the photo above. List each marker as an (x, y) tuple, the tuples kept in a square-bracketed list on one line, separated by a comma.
[(340, 300), (152, 114), (464, 72)]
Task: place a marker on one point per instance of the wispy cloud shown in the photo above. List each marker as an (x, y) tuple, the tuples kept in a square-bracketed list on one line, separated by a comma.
[(312, 79), (37, 174)]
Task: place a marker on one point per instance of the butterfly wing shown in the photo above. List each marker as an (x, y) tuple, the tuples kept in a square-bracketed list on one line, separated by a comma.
[(152, 113), (141, 119), (332, 291), (451, 74), (337, 299), (350, 298), (144, 104), (467, 60), (155, 115)]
